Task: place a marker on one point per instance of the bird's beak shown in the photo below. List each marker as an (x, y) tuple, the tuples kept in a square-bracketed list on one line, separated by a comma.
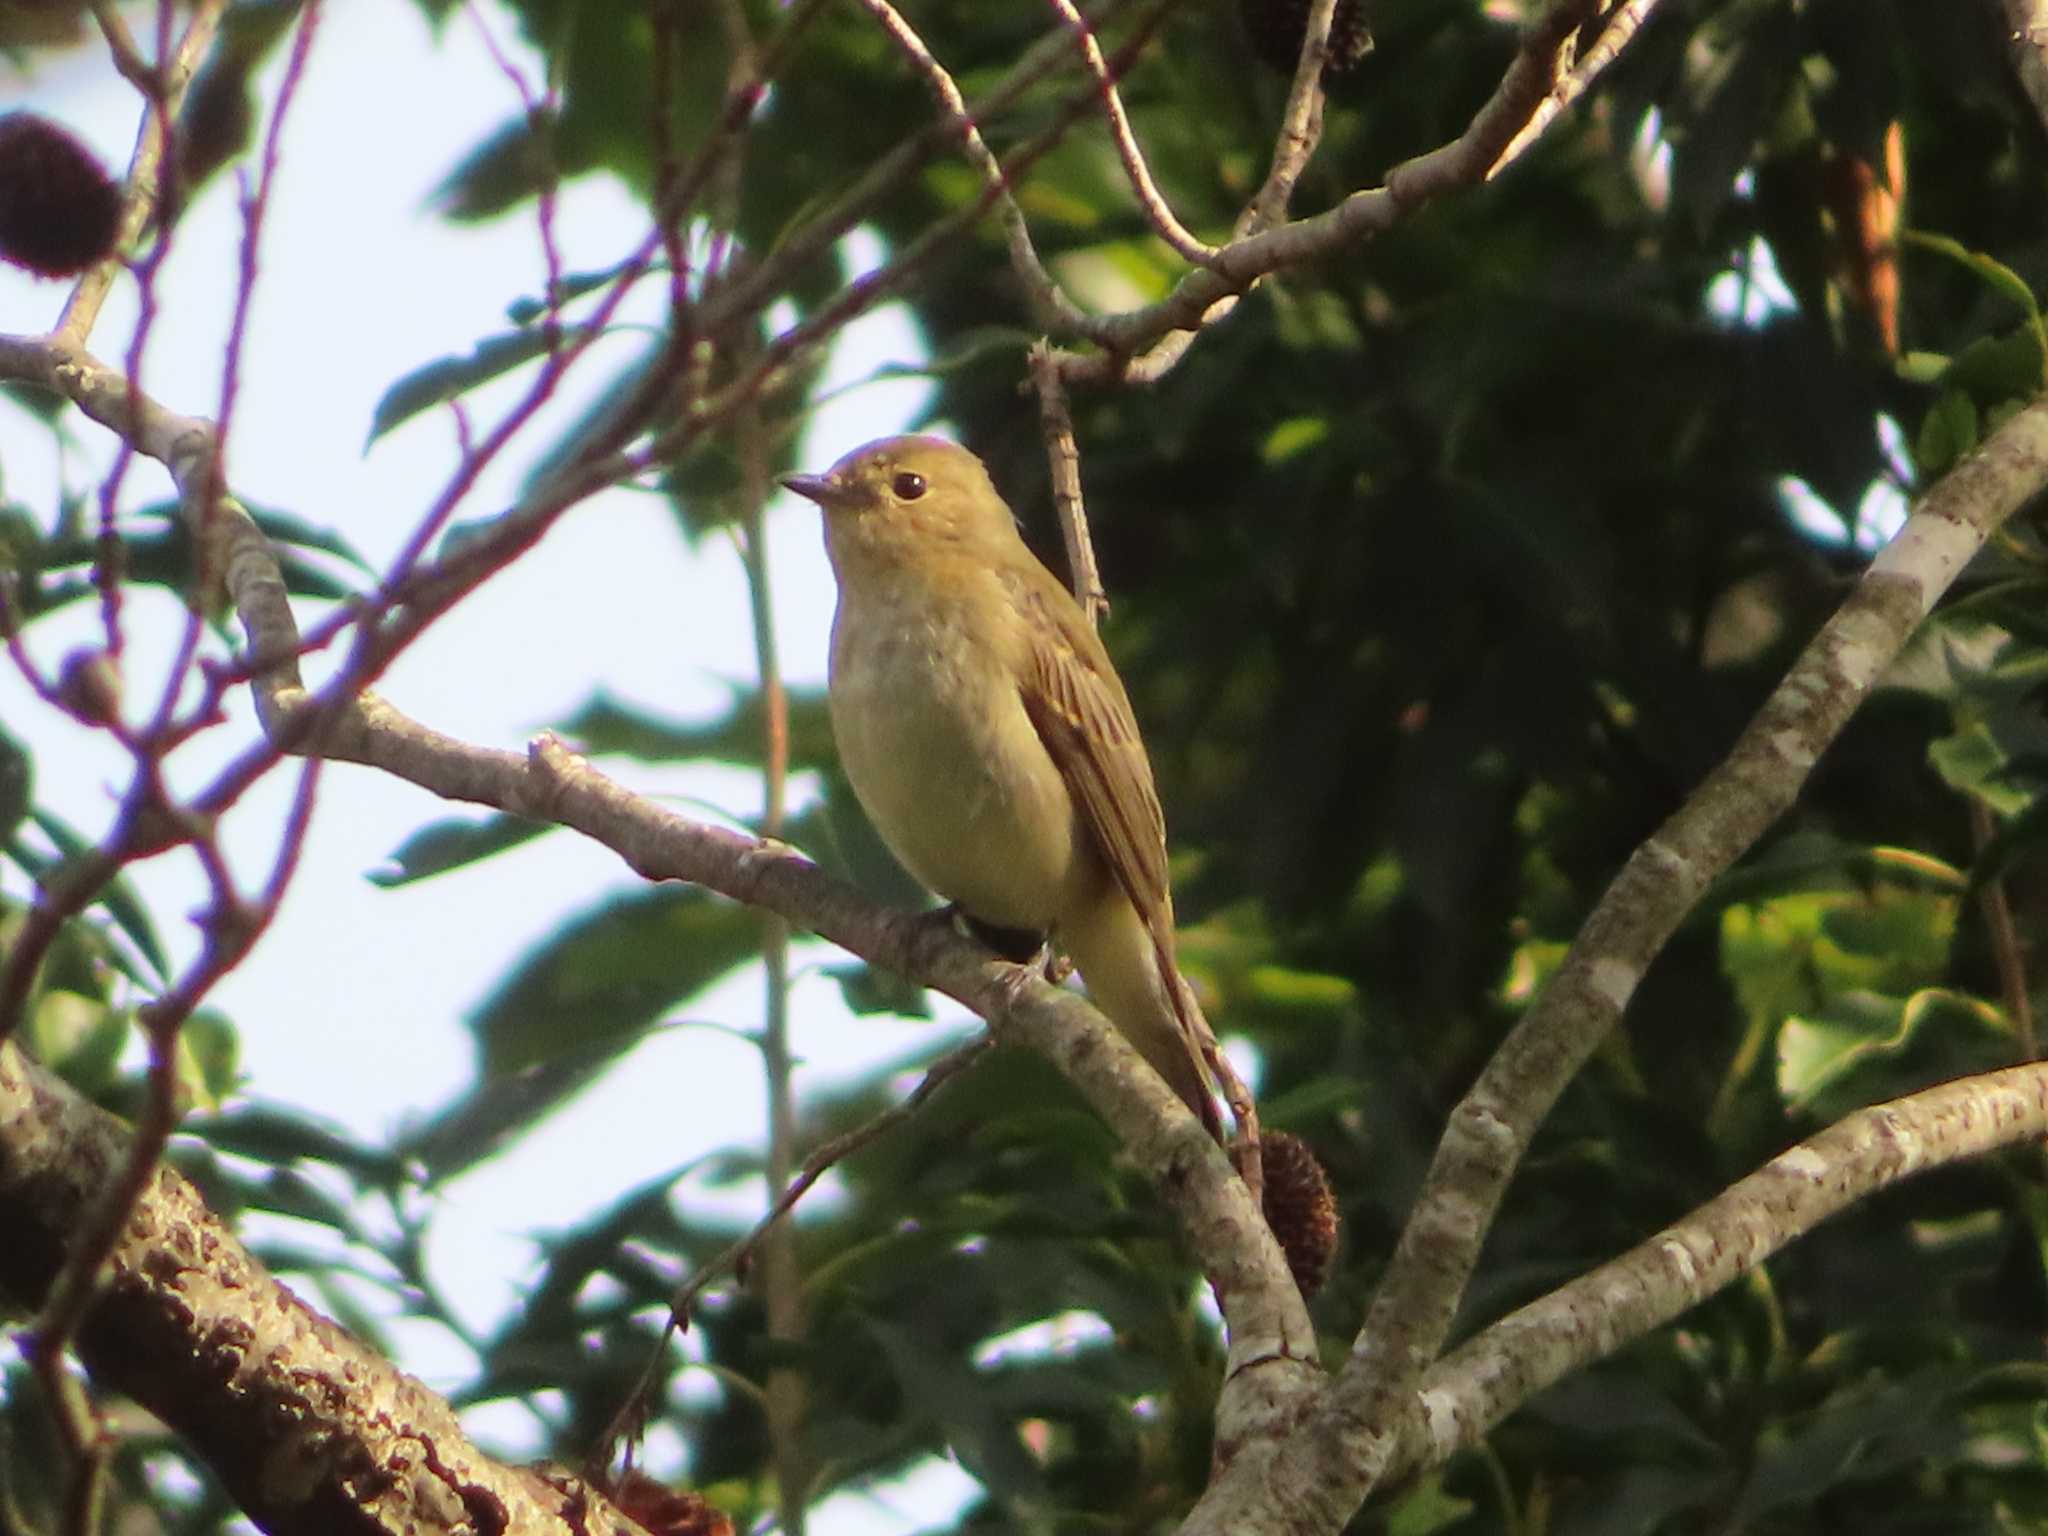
[(822, 489)]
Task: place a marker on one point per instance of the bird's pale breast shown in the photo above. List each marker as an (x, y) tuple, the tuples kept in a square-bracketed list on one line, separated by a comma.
[(932, 732)]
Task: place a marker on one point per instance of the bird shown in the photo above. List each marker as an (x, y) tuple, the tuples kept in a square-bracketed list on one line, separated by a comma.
[(987, 735)]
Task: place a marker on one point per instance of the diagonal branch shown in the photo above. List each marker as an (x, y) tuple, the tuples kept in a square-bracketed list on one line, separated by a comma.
[(1753, 785), (1617, 26), (1151, 201), (1365, 1425), (1140, 346), (308, 1429), (147, 170), (1733, 1233)]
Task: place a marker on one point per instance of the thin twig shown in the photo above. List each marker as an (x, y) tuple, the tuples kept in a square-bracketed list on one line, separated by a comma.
[(1044, 294), (540, 120), (1057, 425), (812, 239), (147, 167), (1151, 201), (822, 1160), (1140, 346), (743, 96), (781, 1279), (2005, 937), (1301, 126), (128, 59), (867, 291)]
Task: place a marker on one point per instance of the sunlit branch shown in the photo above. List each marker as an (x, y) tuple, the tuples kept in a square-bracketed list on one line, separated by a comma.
[(1616, 27), (1141, 345), (1584, 999), (1044, 295), (1056, 425), (1471, 1390), (146, 166), (1301, 125), (1151, 201)]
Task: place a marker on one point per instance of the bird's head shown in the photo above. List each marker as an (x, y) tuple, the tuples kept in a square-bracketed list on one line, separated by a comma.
[(904, 491)]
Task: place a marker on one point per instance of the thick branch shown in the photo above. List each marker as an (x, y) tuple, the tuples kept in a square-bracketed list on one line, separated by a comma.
[(309, 1431), (1749, 790), (1736, 1231)]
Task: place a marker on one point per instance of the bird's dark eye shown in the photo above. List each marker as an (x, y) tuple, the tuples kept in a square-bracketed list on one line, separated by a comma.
[(908, 485)]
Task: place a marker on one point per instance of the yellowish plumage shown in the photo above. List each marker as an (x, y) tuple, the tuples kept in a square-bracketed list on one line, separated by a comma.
[(987, 734)]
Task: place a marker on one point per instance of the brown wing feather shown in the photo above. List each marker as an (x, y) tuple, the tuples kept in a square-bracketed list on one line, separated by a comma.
[(1085, 720), (1082, 714)]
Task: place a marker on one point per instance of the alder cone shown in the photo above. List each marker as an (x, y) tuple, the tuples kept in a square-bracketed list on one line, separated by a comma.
[(1275, 29), (1301, 1208), (667, 1511), (59, 210)]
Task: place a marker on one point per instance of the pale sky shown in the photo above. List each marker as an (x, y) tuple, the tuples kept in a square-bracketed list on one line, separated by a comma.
[(352, 1004)]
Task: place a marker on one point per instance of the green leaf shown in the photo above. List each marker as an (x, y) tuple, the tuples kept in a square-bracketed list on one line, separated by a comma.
[(1995, 370), (500, 1108), (1296, 435), (288, 1192), (209, 1057), (1426, 1509), (870, 990), (1947, 432), (605, 725), (1994, 274), (1974, 762), (946, 1389), (572, 286), (443, 379), (17, 781), (117, 897), (1856, 1434), (43, 404), (453, 844), (1307, 994), (79, 1038), (1863, 1048), (21, 541), (289, 529), (609, 972), (165, 559), (509, 166), (277, 1135)]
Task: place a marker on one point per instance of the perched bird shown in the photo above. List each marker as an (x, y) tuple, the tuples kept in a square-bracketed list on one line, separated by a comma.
[(991, 741)]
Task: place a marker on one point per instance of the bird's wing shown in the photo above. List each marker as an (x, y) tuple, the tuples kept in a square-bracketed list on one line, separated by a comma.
[(1083, 716)]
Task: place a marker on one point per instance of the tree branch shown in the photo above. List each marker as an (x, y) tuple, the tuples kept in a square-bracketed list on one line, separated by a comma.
[(1226, 1234), (142, 198), (1477, 1386), (2026, 24), (1748, 791), (308, 1430)]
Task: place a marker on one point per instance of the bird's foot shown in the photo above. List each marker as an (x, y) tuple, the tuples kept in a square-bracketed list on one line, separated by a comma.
[(1028, 948)]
